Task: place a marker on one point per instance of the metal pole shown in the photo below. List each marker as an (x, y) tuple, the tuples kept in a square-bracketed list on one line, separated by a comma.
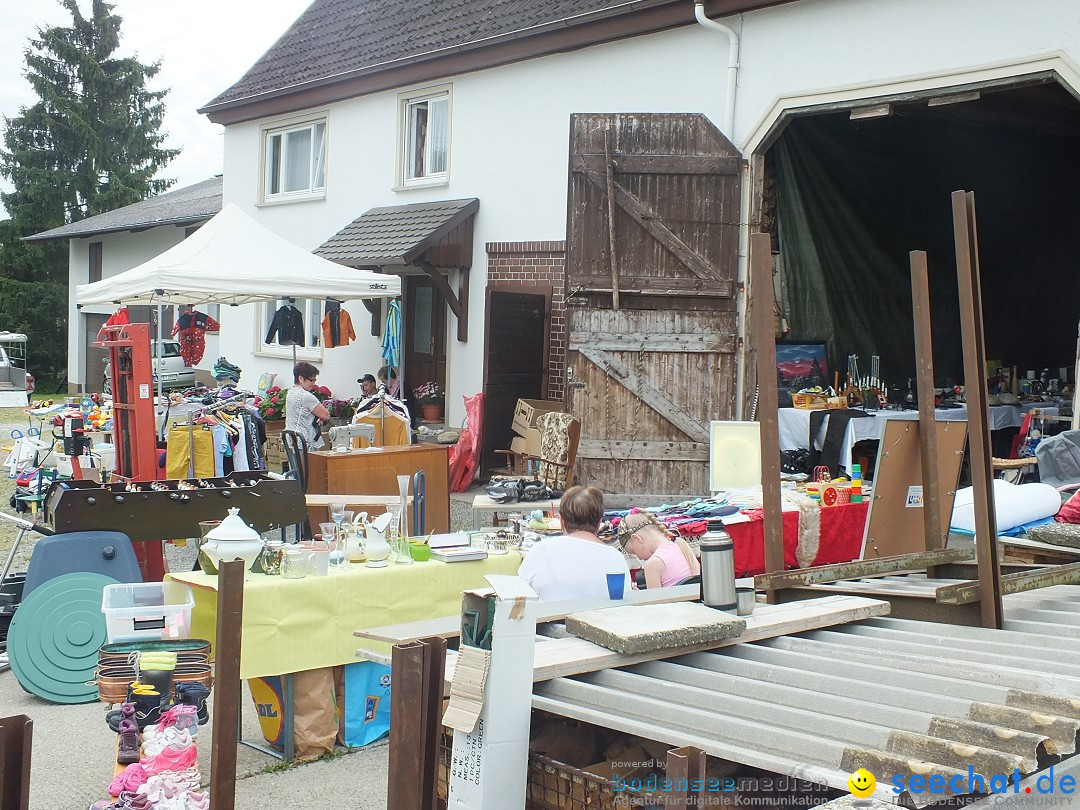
[(971, 331), (157, 350), (765, 339), (924, 372)]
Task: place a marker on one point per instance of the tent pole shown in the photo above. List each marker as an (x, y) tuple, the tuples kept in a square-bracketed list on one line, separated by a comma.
[(157, 351)]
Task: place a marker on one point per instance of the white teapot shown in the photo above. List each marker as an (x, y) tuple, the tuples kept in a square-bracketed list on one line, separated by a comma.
[(232, 539)]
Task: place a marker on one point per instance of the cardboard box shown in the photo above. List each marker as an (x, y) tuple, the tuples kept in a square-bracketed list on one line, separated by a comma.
[(527, 411), (528, 443), (489, 765)]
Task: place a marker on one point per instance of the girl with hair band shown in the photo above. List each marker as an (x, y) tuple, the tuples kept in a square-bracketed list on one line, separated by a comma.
[(668, 559)]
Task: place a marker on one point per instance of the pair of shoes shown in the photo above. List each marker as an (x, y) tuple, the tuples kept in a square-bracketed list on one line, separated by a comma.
[(178, 739), (125, 712), (129, 743), (148, 704), (181, 716), (171, 758), (192, 693), (129, 779)]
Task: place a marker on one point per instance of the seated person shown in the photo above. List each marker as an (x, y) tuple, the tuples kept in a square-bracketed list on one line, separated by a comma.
[(389, 383), (576, 563), (668, 560), (367, 386)]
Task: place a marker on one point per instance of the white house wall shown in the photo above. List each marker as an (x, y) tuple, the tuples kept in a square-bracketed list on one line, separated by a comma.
[(119, 252), (510, 127)]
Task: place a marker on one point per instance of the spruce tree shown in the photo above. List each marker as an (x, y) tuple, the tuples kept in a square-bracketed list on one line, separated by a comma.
[(91, 143)]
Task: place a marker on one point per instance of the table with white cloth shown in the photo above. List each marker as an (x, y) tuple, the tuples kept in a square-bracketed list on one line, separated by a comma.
[(795, 425)]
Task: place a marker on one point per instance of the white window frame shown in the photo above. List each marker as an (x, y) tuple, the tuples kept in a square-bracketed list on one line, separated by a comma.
[(282, 131), (311, 308), (407, 103)]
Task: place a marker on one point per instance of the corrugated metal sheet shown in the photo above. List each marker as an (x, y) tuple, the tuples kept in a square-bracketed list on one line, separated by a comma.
[(895, 696)]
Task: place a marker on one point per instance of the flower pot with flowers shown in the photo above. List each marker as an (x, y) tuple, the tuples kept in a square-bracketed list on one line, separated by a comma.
[(341, 410), (430, 398), (272, 406)]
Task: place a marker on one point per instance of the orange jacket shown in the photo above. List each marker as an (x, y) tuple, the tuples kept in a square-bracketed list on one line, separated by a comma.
[(345, 330)]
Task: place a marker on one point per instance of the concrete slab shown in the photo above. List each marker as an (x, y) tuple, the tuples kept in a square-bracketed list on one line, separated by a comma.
[(639, 628)]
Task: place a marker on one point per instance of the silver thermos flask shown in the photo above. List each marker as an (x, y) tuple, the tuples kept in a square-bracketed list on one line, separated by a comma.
[(717, 567)]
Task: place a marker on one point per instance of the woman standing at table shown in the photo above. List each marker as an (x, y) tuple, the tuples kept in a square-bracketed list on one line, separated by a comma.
[(668, 560), (302, 408), (576, 563)]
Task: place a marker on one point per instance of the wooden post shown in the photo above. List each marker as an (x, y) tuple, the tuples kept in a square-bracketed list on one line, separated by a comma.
[(416, 724), (686, 772), (230, 615), (16, 741), (609, 166), (982, 474), (761, 274), (924, 374)]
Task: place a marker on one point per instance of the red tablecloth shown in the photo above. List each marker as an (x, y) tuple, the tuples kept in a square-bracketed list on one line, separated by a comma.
[(841, 538)]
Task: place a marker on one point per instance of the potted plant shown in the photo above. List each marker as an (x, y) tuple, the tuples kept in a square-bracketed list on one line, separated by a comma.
[(341, 410), (430, 398), (272, 406)]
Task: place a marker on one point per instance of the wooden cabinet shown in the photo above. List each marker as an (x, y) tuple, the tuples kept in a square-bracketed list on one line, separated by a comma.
[(375, 472)]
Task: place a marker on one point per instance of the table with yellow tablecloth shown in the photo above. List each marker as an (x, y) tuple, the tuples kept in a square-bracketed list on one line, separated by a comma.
[(292, 625)]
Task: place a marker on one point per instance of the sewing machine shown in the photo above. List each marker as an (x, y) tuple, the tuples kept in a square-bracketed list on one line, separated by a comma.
[(341, 436)]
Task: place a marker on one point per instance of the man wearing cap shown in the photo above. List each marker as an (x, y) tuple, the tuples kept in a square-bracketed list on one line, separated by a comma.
[(367, 385)]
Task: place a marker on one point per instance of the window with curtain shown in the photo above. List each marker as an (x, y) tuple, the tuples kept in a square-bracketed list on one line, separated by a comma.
[(427, 137), (295, 161)]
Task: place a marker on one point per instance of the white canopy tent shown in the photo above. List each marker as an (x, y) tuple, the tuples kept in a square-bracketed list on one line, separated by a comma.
[(232, 259)]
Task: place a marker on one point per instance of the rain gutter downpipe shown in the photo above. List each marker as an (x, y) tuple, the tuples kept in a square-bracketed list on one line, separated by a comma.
[(729, 131)]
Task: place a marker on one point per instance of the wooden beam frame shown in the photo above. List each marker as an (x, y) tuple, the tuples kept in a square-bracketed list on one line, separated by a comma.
[(971, 330), (459, 301), (861, 569), (16, 744), (967, 592), (761, 274), (230, 616)]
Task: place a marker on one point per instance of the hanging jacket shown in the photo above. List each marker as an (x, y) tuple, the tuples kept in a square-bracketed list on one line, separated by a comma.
[(192, 328), (288, 324), (337, 329)]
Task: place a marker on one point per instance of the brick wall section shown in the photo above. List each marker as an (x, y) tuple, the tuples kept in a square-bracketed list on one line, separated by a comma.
[(537, 265)]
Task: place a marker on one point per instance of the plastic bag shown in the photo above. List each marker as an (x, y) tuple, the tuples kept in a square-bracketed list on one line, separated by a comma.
[(367, 703), (465, 455)]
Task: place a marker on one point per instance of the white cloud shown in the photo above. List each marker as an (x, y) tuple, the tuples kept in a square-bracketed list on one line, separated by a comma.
[(204, 46)]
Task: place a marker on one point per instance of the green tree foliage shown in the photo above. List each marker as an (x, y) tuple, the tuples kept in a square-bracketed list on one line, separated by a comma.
[(91, 143)]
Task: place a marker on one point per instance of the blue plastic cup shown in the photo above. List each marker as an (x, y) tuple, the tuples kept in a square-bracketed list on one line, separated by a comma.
[(616, 585)]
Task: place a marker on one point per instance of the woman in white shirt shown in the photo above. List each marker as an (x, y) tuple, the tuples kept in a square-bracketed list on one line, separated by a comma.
[(302, 407), (576, 563)]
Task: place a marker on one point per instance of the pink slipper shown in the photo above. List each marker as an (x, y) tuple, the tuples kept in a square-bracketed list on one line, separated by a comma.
[(129, 779)]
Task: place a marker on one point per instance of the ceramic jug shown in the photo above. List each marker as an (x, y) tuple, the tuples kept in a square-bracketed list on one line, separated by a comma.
[(378, 549), (354, 546), (232, 539)]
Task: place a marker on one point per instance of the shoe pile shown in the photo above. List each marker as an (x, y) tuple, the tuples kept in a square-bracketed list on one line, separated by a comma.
[(162, 771)]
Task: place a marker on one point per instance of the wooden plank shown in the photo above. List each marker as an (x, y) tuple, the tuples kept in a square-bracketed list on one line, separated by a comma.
[(761, 271), (630, 285), (643, 451), (971, 332), (924, 376), (450, 626), (613, 253), (660, 164), (649, 395), (652, 222), (230, 616), (637, 341), (560, 658), (882, 566), (16, 744), (968, 592)]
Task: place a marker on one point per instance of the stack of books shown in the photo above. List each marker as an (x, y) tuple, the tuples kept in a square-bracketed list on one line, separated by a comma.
[(458, 553)]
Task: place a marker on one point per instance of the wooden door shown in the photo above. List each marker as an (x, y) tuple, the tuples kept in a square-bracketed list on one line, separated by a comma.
[(425, 333), (646, 379), (515, 365)]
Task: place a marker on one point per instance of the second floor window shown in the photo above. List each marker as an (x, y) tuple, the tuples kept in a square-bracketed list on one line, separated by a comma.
[(427, 137), (296, 161)]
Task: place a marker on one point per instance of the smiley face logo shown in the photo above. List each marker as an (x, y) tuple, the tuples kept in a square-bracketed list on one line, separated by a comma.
[(861, 783)]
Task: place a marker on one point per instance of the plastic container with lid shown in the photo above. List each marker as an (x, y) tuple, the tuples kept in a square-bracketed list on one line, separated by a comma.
[(147, 610)]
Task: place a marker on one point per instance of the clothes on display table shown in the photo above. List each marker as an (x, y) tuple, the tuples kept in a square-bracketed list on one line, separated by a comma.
[(223, 441), (288, 326), (191, 328), (337, 328), (224, 371)]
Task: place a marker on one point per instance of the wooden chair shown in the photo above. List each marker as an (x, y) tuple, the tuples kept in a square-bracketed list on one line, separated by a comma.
[(554, 466)]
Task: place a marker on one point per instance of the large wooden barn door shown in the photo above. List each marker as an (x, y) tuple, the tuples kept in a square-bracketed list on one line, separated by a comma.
[(646, 378)]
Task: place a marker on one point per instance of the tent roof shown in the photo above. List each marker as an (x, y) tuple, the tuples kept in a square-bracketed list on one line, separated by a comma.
[(232, 259)]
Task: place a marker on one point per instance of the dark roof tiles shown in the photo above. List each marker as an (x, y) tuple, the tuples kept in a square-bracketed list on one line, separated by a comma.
[(395, 234), (336, 37), (184, 206)]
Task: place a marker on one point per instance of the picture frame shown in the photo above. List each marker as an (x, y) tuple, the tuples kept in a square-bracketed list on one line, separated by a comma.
[(802, 364)]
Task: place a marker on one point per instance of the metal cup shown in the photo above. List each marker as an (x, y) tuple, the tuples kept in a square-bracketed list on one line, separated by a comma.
[(744, 601)]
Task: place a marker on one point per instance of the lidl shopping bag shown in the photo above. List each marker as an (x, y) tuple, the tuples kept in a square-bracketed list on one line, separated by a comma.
[(367, 703), (315, 723)]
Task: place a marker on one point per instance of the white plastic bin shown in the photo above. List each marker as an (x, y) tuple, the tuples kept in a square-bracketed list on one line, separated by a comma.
[(147, 610)]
